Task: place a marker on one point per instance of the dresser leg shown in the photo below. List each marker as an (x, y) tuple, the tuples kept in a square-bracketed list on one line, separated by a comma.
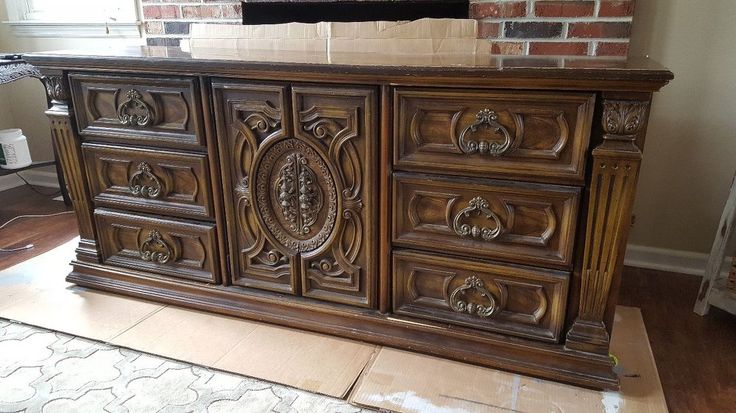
[(68, 149), (613, 185)]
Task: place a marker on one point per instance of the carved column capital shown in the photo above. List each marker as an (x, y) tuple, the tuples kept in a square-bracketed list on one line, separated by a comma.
[(56, 89), (623, 119), (613, 185)]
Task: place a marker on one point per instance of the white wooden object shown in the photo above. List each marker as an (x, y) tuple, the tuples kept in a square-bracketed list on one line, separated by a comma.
[(713, 290)]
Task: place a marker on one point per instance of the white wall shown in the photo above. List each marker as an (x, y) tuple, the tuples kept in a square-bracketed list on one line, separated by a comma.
[(690, 153)]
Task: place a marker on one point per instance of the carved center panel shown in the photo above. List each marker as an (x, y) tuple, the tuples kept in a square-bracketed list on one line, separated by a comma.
[(296, 195)]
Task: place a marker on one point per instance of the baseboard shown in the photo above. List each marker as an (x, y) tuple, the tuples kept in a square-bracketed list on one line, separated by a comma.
[(663, 259), (36, 178)]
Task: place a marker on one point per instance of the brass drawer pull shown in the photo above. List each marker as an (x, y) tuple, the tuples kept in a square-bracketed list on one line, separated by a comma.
[(479, 206), (155, 249), (134, 111), (485, 117), (458, 304), (144, 183)]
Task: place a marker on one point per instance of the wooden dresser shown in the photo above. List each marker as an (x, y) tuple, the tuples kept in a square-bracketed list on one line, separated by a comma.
[(471, 207)]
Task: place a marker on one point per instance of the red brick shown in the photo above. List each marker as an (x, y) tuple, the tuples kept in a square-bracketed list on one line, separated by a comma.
[(507, 48), (161, 12), (558, 48), (599, 30), (564, 8), (487, 30), (498, 9), (616, 9), (201, 12), (612, 49)]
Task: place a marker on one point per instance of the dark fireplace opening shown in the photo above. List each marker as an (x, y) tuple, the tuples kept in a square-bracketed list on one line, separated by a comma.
[(313, 11)]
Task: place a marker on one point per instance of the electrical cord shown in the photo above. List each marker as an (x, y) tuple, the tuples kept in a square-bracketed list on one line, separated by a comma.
[(33, 188), (29, 246)]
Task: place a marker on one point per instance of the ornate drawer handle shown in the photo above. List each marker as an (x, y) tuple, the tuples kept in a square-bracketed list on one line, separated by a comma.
[(155, 249), (493, 148), (458, 304), (134, 111), (137, 182), (480, 206)]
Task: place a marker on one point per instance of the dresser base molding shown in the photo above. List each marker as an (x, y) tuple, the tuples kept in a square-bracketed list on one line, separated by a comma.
[(547, 361)]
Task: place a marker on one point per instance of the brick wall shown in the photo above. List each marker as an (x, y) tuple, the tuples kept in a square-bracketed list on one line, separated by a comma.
[(534, 27)]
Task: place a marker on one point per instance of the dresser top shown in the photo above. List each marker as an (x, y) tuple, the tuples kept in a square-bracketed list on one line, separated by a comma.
[(478, 69)]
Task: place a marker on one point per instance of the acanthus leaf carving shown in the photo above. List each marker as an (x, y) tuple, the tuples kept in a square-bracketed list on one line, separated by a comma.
[(55, 88), (623, 118)]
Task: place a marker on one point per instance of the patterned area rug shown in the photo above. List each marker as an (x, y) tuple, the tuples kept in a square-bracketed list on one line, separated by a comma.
[(47, 371)]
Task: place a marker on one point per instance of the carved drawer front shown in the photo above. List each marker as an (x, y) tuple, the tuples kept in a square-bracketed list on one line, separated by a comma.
[(154, 111), (535, 135), (505, 220), (157, 181), (516, 300), (173, 248)]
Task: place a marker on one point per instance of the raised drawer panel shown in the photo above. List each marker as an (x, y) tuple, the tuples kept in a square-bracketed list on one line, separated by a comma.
[(172, 248), (156, 181), (510, 221), (532, 135), (154, 111), (507, 299)]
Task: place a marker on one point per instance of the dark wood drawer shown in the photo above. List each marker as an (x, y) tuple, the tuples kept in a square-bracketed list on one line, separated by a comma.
[(509, 299), (533, 135), (156, 111), (156, 181), (505, 220), (173, 248)]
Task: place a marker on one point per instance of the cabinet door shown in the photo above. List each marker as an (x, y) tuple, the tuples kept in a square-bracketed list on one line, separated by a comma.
[(248, 115), (300, 188), (337, 127)]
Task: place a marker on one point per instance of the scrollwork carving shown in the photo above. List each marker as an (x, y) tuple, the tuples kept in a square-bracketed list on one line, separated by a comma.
[(479, 206), (459, 304), (155, 249), (488, 118), (134, 111), (305, 195), (144, 183)]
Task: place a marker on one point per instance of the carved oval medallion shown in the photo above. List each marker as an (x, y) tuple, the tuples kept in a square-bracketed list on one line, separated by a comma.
[(295, 195)]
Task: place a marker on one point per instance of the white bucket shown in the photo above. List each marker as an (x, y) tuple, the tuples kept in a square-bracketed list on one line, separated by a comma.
[(14, 153)]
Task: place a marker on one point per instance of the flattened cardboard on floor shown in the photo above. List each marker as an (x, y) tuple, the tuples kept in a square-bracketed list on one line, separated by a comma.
[(408, 382)]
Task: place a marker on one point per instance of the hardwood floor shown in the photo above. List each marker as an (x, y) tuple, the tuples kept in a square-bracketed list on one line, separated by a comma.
[(696, 356), (44, 233)]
